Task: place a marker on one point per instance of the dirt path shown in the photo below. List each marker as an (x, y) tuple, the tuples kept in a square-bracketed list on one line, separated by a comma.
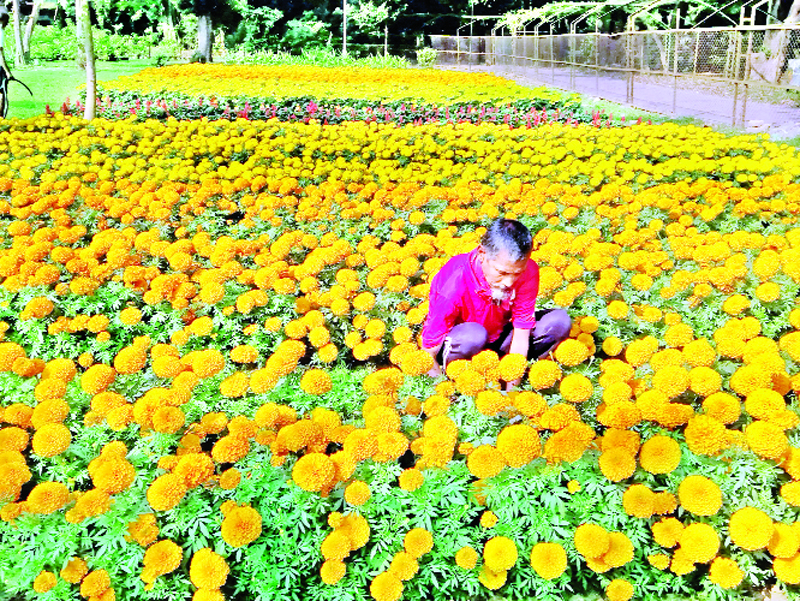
[(707, 100)]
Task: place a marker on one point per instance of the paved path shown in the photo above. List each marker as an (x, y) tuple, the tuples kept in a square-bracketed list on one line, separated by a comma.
[(712, 103)]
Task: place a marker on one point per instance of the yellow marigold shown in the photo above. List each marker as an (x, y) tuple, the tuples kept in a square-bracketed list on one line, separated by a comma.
[(519, 444), (512, 367), (47, 497), (194, 468), (143, 530), (617, 464), (166, 492), (499, 554), (705, 435), (97, 378), (784, 542), (336, 545), (485, 461), (548, 560), (559, 416), (699, 542), (418, 542), (573, 486), (619, 589), (314, 472), (114, 476), (492, 580), (230, 478), (386, 587), (529, 404), (748, 378), (763, 402), (544, 374), (750, 528), (787, 570), (488, 519), (617, 392), (639, 501), (207, 569), (620, 550), (51, 439), (411, 479), (469, 382), (241, 526), (671, 380), (639, 351), (765, 439), (617, 310), (591, 540), (466, 558), (357, 493), (659, 561), (230, 448), (700, 495), (569, 444), (95, 583), (332, 571), (404, 566), (704, 381), (667, 532), (660, 454), (576, 388), (571, 352), (612, 346), (161, 558), (316, 381), (725, 573), (722, 407), (44, 582)]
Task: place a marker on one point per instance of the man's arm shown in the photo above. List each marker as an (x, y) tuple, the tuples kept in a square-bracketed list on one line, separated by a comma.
[(520, 341), (434, 371)]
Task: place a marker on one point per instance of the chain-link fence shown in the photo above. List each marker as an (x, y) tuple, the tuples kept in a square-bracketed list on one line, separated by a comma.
[(740, 76)]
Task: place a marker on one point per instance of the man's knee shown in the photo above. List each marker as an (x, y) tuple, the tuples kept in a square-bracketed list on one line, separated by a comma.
[(557, 323), (465, 340)]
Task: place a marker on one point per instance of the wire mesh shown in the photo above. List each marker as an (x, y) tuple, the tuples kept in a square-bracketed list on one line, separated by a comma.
[(723, 75)]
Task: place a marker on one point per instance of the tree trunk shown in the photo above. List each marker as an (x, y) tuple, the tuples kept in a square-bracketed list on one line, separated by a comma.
[(775, 44), (82, 16), (385, 39), (26, 38), (204, 36), (15, 8)]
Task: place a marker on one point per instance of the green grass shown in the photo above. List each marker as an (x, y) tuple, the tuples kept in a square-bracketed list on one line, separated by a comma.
[(54, 82)]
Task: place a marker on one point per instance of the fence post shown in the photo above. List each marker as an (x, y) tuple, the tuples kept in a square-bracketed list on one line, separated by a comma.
[(675, 73), (552, 58), (696, 52), (596, 62)]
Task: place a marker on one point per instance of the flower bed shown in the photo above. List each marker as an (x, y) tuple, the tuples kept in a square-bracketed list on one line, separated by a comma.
[(214, 388), (331, 96)]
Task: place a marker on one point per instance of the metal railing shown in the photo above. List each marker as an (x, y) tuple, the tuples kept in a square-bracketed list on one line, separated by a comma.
[(711, 73)]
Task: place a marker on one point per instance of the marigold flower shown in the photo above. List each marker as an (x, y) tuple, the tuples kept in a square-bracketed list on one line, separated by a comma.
[(230, 479), (576, 388), (114, 476), (787, 570), (357, 493), (230, 448), (700, 495), (659, 561), (548, 560), (241, 526), (492, 580), (617, 464), (700, 542), (519, 444), (166, 492), (404, 566), (97, 378), (194, 468), (784, 542), (314, 472), (466, 558), (765, 439), (130, 360), (512, 367), (161, 558), (544, 374), (620, 550), (660, 454), (568, 444), (499, 553), (95, 583), (411, 479), (671, 380), (485, 461), (386, 587), (667, 532), (571, 352), (332, 571), (491, 402), (143, 530), (47, 497), (750, 528), (725, 573), (469, 382), (168, 420), (619, 589), (639, 501), (705, 435), (612, 346), (639, 351), (44, 582), (418, 542), (749, 378)]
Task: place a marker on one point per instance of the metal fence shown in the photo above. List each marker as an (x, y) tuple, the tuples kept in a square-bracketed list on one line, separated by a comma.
[(740, 75)]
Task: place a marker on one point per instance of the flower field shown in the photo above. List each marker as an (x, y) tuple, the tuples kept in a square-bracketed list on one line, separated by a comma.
[(213, 384)]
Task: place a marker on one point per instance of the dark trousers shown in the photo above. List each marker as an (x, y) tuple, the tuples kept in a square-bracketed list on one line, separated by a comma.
[(465, 340)]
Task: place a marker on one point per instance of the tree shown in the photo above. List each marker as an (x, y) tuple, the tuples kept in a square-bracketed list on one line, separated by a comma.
[(85, 38), (26, 36), (776, 43), (370, 17), (20, 55)]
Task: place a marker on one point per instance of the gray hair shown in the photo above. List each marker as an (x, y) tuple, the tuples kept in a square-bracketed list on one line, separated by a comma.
[(510, 236)]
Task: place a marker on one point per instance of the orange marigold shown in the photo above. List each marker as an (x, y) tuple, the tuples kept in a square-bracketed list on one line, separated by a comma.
[(208, 569), (660, 454), (241, 526), (700, 495)]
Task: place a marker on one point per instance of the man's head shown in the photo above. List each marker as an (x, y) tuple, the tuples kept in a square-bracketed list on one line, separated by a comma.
[(503, 254)]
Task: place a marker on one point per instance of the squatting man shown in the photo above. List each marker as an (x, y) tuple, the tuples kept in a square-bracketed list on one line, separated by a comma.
[(486, 299)]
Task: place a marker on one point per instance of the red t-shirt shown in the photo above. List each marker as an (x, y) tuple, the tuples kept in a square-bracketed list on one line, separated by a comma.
[(459, 293)]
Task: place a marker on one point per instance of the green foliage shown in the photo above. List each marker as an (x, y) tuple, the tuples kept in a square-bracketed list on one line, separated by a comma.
[(426, 57), (323, 56), (305, 32)]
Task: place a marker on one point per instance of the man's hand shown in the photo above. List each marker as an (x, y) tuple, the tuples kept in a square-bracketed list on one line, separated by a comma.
[(513, 384), (435, 371)]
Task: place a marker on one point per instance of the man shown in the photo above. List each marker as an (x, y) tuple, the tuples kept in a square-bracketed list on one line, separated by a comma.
[(486, 298)]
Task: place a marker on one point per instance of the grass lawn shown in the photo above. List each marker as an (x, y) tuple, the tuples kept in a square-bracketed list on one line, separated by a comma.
[(52, 83)]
